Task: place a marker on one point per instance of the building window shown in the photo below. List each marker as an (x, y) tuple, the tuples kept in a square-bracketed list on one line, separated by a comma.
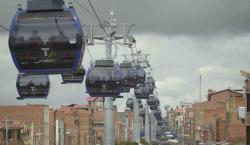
[(19, 134), (11, 134), (36, 140), (71, 140)]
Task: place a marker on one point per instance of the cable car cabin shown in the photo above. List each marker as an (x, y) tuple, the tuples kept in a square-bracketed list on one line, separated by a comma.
[(157, 101), (32, 86), (150, 83), (75, 77), (151, 100), (125, 89), (142, 91), (157, 115), (103, 79), (46, 40), (129, 76), (129, 103), (154, 107), (141, 74)]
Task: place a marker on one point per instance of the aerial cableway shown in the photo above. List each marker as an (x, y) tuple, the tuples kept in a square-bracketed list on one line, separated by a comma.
[(47, 38), (32, 86), (104, 79)]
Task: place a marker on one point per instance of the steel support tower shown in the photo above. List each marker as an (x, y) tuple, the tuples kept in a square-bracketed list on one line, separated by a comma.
[(111, 31)]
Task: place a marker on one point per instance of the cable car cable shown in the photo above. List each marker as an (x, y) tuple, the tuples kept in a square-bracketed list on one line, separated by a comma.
[(89, 53), (99, 20), (59, 29), (4, 28), (84, 8)]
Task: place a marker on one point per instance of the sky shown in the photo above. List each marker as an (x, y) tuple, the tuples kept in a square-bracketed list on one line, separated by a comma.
[(185, 39)]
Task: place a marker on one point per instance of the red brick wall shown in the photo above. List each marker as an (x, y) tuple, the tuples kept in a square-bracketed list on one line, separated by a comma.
[(27, 113)]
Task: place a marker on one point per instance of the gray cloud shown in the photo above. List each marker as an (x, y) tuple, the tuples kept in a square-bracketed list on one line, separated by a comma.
[(165, 16)]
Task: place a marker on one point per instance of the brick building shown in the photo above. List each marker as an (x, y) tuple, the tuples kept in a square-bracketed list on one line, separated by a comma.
[(27, 125), (68, 125), (247, 105), (216, 119), (76, 124)]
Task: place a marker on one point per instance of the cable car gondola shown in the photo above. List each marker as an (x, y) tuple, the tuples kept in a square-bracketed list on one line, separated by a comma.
[(32, 86), (129, 76), (46, 38), (75, 77), (150, 83), (153, 107), (140, 105), (151, 100), (142, 91), (141, 74), (157, 114), (104, 79)]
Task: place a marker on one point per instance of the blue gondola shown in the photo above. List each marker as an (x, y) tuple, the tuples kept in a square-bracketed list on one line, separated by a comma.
[(140, 105), (150, 83), (157, 114), (141, 74), (74, 77), (46, 38), (104, 79), (154, 107), (129, 76), (142, 91), (32, 86), (153, 101)]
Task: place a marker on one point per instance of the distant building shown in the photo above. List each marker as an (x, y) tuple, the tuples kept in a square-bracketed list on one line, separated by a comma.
[(216, 119), (247, 106), (68, 125), (27, 125), (76, 124)]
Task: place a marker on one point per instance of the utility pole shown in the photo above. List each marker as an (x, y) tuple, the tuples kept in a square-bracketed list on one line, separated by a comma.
[(136, 129), (147, 128), (111, 33), (6, 130), (201, 112)]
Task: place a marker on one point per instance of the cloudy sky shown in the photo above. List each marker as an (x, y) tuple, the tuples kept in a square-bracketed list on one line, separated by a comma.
[(185, 38)]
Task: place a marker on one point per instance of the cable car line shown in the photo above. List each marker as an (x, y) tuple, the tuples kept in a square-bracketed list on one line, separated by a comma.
[(59, 29), (84, 8), (99, 20), (89, 53), (4, 28)]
